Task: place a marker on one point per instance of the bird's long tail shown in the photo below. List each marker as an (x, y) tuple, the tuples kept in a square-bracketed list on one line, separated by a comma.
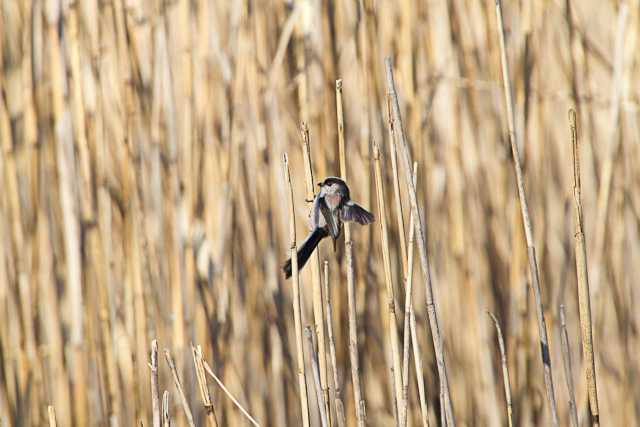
[(305, 250)]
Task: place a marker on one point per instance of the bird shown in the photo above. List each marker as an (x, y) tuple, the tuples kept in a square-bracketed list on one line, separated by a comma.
[(332, 206)]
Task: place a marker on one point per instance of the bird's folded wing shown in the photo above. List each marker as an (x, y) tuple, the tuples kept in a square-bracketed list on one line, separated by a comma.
[(329, 219)]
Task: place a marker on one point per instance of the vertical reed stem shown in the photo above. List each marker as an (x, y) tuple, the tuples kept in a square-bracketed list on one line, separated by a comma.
[(339, 406), (179, 389), (528, 229), (391, 306), (318, 313), (155, 392), (297, 313), (351, 286), (584, 297), (568, 372), (316, 376), (432, 313), (505, 370)]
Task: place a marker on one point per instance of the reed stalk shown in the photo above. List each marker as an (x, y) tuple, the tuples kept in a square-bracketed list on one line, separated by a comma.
[(179, 389), (422, 247), (297, 313), (318, 313), (337, 392), (354, 357), (390, 301), (210, 413), (228, 393), (155, 390), (526, 221), (584, 296), (316, 376), (410, 326), (568, 373), (505, 370)]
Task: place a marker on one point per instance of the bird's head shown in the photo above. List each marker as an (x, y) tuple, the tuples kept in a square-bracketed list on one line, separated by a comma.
[(330, 180)]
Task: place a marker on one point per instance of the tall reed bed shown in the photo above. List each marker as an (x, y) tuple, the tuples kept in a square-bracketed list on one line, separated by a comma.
[(144, 212)]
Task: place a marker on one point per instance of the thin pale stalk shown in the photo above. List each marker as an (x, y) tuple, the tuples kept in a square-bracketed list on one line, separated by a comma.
[(403, 403), (410, 330), (386, 259), (415, 344), (422, 247), (584, 296), (568, 372), (212, 420), (52, 416), (339, 406), (316, 376), (318, 313), (228, 393), (155, 391), (166, 419), (505, 370), (179, 390), (351, 286), (528, 229), (297, 313)]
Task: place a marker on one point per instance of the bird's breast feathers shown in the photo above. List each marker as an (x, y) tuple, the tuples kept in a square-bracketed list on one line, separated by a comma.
[(332, 200)]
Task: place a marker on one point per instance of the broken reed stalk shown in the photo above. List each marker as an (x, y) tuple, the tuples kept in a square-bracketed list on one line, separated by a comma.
[(308, 333), (410, 329), (422, 247), (52, 416), (351, 286), (297, 313), (339, 406), (179, 390), (391, 306), (166, 419), (318, 313), (584, 296), (212, 419), (505, 370), (155, 392), (568, 372), (226, 391), (526, 221)]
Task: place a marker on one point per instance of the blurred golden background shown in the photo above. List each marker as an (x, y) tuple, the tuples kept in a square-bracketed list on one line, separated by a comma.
[(143, 196)]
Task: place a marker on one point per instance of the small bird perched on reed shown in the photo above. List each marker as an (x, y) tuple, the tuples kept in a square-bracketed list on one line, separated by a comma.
[(331, 207)]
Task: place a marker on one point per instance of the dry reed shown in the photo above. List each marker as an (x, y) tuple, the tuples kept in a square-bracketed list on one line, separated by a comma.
[(336, 389), (505, 370), (354, 357), (422, 246), (568, 372), (297, 311), (143, 199), (584, 296), (389, 302), (526, 221)]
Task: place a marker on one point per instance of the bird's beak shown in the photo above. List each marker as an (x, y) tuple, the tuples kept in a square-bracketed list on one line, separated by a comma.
[(319, 184)]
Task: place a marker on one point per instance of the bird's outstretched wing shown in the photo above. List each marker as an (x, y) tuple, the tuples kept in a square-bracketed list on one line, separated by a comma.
[(351, 211)]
